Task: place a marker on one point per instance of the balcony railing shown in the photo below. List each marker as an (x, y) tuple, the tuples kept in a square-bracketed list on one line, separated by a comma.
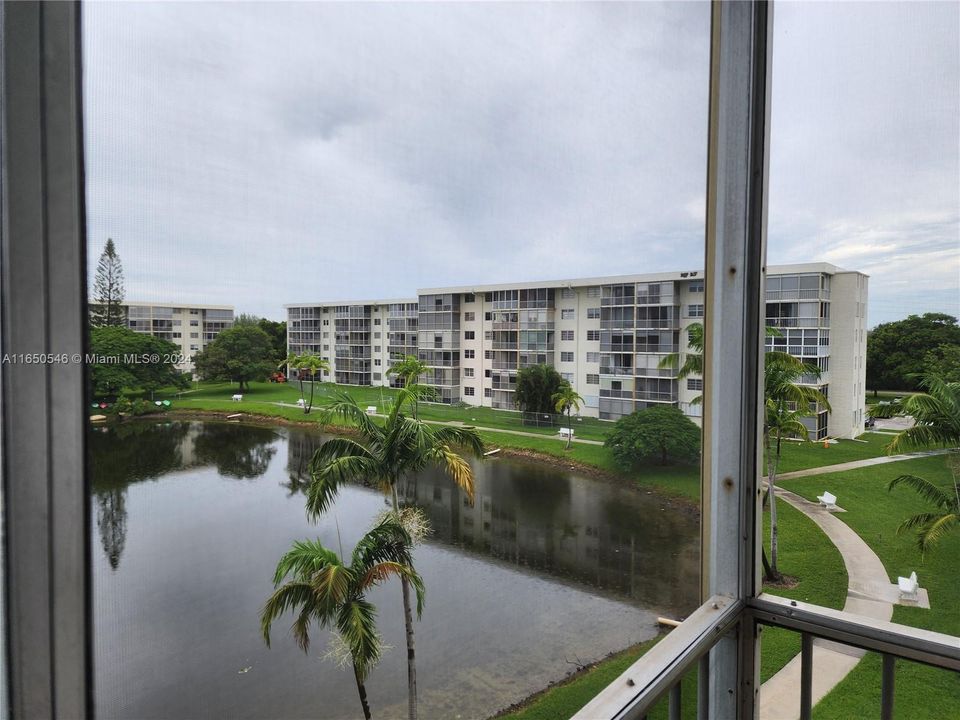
[(614, 370), (775, 295)]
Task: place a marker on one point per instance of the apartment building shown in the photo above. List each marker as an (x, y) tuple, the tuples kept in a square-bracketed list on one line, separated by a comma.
[(607, 336), (189, 328)]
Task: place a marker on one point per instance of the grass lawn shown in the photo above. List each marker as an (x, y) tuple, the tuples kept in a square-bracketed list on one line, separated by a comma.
[(874, 513), (805, 553), (800, 456)]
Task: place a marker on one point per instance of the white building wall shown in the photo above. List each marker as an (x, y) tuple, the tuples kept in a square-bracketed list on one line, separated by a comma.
[(848, 350)]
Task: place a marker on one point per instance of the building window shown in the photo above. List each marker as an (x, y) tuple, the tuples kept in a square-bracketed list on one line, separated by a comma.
[(593, 313), (488, 354), (469, 335), (376, 376), (488, 316), (469, 316), (696, 286), (467, 390), (567, 376), (194, 347), (593, 291), (568, 293), (176, 323), (593, 357), (376, 321), (326, 347), (488, 392), (194, 323), (326, 322), (568, 314), (378, 348), (566, 357), (376, 336), (176, 334), (566, 334), (326, 335), (593, 379), (194, 336), (694, 310), (194, 312), (468, 372), (593, 335), (486, 373), (469, 354), (376, 362), (469, 298), (695, 384)]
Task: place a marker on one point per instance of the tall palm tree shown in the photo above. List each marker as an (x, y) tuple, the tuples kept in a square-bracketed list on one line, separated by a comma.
[(402, 446), (324, 590), (565, 401), (786, 402), (311, 363), (936, 415)]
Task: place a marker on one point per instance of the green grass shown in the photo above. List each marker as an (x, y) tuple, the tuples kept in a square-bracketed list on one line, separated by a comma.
[(883, 395), (874, 513), (801, 456), (805, 553)]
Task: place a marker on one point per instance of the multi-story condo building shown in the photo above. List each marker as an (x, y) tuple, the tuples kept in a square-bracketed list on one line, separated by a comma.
[(190, 328), (607, 336)]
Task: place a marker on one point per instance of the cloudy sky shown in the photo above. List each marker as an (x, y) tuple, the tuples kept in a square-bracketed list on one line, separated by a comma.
[(261, 154)]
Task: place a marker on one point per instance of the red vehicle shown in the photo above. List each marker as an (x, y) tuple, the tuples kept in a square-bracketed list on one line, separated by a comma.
[(278, 377)]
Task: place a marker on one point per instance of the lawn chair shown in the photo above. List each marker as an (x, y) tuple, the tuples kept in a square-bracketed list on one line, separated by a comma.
[(908, 587), (237, 398), (371, 409)]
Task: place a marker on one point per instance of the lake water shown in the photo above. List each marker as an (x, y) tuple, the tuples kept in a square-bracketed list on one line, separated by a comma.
[(548, 568)]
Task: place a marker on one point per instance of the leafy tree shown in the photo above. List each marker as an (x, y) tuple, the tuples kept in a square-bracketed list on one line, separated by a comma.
[(786, 402), (659, 434), (566, 400), (400, 447), (896, 351), (943, 361), (107, 306), (116, 370), (306, 363), (324, 590), (276, 330), (536, 386), (240, 354)]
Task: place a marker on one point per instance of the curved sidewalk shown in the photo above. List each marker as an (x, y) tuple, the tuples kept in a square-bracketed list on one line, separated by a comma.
[(780, 695)]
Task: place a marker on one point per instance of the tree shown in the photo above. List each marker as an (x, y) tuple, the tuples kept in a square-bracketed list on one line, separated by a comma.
[(936, 415), (128, 360), (896, 351), (107, 306), (536, 386), (276, 330), (409, 371), (566, 400), (691, 361), (943, 361), (657, 434), (384, 454), (324, 590), (786, 402), (306, 363), (930, 527), (238, 354)]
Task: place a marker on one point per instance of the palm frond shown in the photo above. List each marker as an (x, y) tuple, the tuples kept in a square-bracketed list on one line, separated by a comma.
[(922, 436), (388, 541), (925, 489), (453, 465), (329, 470), (465, 438), (357, 625), (345, 407), (929, 535), (285, 598), (303, 559)]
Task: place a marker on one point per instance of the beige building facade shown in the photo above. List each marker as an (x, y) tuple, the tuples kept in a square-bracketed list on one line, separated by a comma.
[(190, 328)]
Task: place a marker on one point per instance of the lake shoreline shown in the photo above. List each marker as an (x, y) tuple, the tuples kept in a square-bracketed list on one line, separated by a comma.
[(676, 502)]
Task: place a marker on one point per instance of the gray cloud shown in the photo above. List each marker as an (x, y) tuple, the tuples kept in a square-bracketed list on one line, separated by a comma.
[(257, 154)]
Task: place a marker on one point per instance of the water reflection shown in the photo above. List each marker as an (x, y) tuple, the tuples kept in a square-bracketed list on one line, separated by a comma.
[(594, 532), (137, 451)]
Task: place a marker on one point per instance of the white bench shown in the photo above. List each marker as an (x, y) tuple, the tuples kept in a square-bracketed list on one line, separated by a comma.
[(237, 398), (908, 587), (371, 409), (300, 402), (828, 500), (566, 432)]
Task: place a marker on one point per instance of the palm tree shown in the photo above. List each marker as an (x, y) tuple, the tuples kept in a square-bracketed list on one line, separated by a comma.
[(565, 401), (692, 359), (936, 414), (310, 363), (401, 446), (324, 590), (409, 371), (786, 402)]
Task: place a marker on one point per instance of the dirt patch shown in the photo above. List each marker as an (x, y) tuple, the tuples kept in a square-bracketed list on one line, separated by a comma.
[(786, 582)]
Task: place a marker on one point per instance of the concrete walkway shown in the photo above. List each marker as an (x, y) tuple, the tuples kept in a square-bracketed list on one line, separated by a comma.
[(866, 580), (458, 423), (854, 464)]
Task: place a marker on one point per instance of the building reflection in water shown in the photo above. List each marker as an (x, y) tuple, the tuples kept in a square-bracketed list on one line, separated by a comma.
[(631, 544)]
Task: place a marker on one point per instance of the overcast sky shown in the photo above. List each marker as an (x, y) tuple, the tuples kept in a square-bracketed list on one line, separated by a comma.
[(262, 154)]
